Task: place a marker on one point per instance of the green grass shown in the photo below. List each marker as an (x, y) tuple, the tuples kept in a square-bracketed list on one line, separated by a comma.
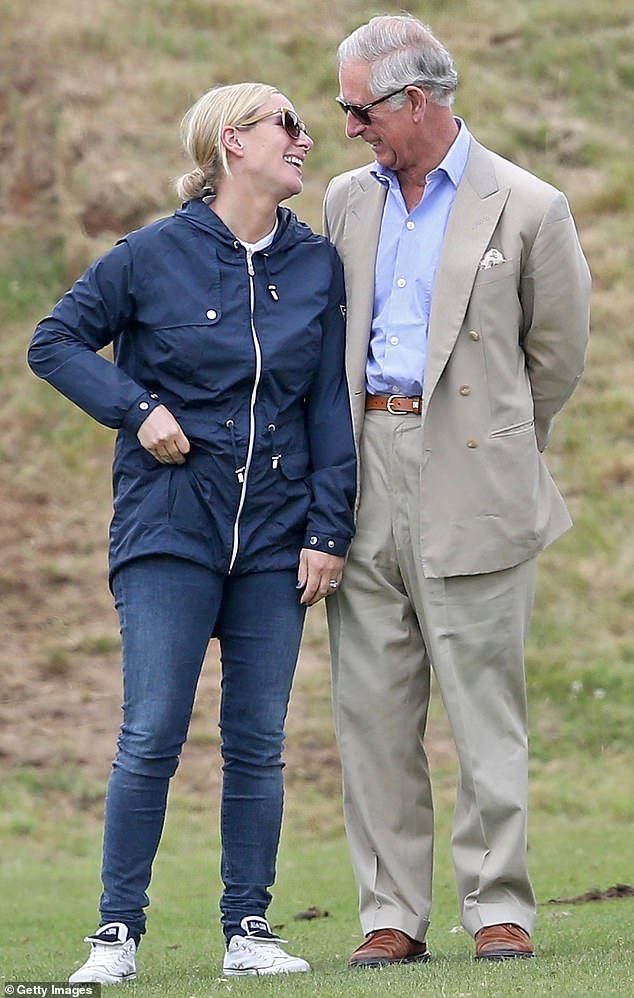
[(583, 949)]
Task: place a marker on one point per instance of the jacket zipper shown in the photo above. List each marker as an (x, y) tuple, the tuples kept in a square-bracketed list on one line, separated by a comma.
[(243, 473)]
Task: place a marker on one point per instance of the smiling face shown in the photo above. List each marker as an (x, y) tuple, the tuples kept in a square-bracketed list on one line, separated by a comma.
[(393, 135), (273, 159)]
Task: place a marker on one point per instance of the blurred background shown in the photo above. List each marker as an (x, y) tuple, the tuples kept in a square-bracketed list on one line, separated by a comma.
[(91, 97)]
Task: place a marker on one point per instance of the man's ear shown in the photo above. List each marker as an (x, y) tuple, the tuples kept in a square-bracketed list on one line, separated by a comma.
[(418, 100)]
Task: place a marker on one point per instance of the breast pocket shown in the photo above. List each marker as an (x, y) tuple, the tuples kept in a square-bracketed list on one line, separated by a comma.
[(489, 275), (179, 350)]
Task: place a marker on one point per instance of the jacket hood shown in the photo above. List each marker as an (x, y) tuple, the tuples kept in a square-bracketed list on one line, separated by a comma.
[(290, 230)]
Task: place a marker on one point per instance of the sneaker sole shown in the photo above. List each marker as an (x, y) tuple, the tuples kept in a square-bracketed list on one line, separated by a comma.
[(262, 973), (102, 980)]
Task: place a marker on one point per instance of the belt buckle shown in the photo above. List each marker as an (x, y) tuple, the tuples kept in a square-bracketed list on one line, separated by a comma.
[(388, 404)]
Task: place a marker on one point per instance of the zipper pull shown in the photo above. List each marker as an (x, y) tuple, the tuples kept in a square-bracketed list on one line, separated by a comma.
[(275, 461), (273, 292), (240, 474)]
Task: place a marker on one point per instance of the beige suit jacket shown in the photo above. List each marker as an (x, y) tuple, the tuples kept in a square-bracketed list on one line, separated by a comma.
[(506, 350)]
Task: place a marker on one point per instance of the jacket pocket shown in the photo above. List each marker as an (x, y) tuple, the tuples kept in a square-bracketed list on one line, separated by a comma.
[(490, 275), (154, 507), (514, 428), (294, 466)]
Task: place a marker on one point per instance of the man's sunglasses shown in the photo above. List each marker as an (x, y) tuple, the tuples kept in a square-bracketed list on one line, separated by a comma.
[(360, 111), (291, 122)]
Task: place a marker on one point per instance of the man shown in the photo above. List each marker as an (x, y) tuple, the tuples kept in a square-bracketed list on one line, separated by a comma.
[(468, 305)]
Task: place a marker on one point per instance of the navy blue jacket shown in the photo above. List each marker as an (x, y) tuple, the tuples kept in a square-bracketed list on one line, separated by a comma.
[(249, 358)]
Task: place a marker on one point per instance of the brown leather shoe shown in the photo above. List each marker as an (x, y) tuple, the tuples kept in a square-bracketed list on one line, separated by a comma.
[(503, 942), (386, 946)]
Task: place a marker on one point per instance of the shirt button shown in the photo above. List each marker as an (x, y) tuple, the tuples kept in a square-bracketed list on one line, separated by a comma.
[(393, 340), (144, 405), (411, 225), (474, 336), (314, 539), (465, 390), (211, 313), (401, 282), (331, 544), (472, 444)]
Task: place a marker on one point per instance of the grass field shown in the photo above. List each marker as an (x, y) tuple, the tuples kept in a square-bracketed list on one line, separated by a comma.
[(90, 100), (583, 949)]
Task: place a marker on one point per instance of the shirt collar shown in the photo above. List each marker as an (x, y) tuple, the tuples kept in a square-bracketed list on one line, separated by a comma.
[(453, 165)]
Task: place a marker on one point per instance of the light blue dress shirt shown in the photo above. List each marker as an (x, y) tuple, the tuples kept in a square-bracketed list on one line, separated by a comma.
[(407, 258)]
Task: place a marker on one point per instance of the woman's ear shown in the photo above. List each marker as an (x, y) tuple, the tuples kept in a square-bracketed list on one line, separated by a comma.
[(231, 140)]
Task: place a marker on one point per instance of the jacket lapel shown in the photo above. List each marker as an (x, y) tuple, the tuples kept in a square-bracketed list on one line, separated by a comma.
[(366, 199), (475, 213)]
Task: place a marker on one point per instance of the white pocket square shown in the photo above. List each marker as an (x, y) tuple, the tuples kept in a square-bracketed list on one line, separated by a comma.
[(491, 259)]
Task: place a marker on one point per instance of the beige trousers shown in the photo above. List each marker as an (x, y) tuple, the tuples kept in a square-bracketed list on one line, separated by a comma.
[(388, 626)]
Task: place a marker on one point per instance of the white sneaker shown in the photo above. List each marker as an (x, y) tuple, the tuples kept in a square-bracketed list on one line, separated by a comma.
[(259, 954), (112, 957)]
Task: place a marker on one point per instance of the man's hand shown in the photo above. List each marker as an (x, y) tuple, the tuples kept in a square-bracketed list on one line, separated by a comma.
[(316, 571), (162, 437)]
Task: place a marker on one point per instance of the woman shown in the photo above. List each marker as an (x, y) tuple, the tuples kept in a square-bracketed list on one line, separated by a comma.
[(234, 478)]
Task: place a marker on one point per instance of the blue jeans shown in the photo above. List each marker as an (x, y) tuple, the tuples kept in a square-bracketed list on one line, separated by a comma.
[(169, 609)]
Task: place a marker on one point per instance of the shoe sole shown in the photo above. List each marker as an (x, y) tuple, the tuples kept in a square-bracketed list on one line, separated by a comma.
[(504, 955), (261, 973), (373, 962), (103, 980)]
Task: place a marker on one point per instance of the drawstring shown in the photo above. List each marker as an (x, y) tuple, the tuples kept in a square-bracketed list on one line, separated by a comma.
[(271, 288), (240, 470), (275, 458)]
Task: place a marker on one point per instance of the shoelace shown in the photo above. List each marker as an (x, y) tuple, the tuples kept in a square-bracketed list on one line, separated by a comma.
[(252, 945), (99, 953)]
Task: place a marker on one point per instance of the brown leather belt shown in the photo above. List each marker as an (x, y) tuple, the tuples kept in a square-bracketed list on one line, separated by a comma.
[(395, 403)]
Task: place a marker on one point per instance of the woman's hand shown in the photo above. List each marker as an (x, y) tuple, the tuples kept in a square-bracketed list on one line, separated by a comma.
[(317, 571), (162, 437)]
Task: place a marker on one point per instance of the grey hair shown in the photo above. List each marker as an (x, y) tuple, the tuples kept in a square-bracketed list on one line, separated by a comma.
[(401, 50), (202, 128)]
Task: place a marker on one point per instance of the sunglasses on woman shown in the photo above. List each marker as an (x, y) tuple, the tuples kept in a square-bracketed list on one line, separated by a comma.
[(360, 111), (290, 121)]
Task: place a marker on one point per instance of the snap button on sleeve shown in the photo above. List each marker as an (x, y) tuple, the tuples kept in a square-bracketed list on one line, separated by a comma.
[(314, 539), (331, 543), (144, 405)]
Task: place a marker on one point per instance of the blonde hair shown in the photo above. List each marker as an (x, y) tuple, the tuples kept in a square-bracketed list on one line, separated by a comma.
[(201, 133)]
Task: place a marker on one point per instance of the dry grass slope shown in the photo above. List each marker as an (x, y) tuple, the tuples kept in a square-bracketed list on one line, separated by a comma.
[(90, 100)]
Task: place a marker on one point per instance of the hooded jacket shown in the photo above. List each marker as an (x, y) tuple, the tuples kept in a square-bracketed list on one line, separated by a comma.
[(247, 353)]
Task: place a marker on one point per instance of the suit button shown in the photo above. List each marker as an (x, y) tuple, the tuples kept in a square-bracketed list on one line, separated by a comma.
[(465, 390), (472, 444), (475, 336)]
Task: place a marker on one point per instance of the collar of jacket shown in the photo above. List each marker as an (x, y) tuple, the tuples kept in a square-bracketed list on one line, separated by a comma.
[(290, 230)]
